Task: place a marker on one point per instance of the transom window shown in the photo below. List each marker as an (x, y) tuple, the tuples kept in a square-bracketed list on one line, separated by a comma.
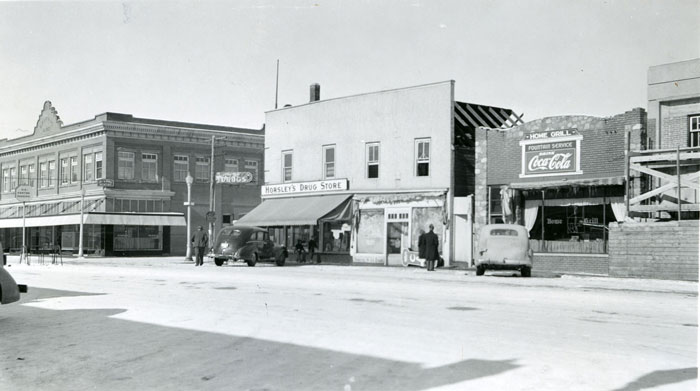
[(149, 167), (372, 154), (423, 157), (287, 166), (694, 131), (125, 165), (329, 161), (231, 165)]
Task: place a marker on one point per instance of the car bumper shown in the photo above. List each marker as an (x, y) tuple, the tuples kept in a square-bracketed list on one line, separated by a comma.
[(504, 264)]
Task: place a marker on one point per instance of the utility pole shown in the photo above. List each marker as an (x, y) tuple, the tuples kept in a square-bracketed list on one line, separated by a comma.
[(211, 192), (277, 82)]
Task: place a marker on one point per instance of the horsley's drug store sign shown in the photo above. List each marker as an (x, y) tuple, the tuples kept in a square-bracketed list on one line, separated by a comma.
[(551, 153)]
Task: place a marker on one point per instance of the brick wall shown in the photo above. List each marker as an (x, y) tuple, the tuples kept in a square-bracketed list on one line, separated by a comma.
[(579, 264), (663, 250), (674, 121)]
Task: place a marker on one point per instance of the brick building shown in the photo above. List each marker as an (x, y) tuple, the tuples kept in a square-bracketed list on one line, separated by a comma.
[(561, 177), (128, 176)]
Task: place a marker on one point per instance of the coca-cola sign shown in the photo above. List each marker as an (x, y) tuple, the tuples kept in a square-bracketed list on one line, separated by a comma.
[(550, 158)]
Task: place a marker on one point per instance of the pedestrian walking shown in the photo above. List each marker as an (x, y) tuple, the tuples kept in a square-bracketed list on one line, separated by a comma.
[(312, 250), (431, 248), (200, 241), (299, 250)]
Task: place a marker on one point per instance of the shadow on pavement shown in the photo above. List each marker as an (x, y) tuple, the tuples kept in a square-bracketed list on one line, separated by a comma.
[(86, 349), (660, 378)]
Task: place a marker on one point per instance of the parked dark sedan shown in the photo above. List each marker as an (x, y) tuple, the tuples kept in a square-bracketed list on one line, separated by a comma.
[(9, 290), (248, 244)]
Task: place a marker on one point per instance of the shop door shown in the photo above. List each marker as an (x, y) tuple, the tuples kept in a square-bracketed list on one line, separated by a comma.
[(396, 241)]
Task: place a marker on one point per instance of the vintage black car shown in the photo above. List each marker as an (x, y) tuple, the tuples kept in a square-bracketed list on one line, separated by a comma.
[(248, 244), (9, 289)]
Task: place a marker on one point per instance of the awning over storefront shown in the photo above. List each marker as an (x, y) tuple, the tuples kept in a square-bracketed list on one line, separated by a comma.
[(167, 219), (296, 211), (607, 181)]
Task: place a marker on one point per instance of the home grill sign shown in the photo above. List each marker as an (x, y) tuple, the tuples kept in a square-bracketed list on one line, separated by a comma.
[(551, 153)]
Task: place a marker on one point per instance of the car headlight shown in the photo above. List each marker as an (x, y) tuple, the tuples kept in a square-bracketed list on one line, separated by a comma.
[(224, 245)]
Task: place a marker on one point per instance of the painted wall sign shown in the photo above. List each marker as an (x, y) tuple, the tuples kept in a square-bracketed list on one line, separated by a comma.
[(24, 193), (551, 153), (305, 187), (234, 177)]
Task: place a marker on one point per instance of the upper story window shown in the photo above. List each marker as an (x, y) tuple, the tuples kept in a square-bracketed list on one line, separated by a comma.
[(32, 174), (286, 166), (231, 165), (423, 157), (52, 173), (74, 169), (372, 154), (149, 167), (44, 174), (6, 186), (252, 167), (98, 165), (694, 131), (125, 165), (65, 173), (181, 166), (88, 168), (13, 178), (329, 161), (24, 174), (201, 169)]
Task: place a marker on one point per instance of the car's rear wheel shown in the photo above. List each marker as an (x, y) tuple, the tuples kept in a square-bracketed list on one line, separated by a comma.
[(480, 270), (254, 261), (525, 271), (218, 261)]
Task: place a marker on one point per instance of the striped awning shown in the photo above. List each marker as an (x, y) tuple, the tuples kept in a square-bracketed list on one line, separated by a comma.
[(566, 182), (471, 115)]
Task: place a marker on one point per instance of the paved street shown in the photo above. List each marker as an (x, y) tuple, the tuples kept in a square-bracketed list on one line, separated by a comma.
[(161, 323)]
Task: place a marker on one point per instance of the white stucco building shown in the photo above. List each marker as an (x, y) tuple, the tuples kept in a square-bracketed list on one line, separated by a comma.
[(364, 174)]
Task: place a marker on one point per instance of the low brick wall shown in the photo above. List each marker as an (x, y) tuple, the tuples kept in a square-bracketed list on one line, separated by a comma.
[(570, 263), (667, 250)]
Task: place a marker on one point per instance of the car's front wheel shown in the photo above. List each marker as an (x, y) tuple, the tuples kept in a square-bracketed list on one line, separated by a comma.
[(218, 261), (480, 270), (525, 271), (280, 260), (252, 262)]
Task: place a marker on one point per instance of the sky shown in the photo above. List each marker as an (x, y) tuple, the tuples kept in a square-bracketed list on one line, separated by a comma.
[(215, 62)]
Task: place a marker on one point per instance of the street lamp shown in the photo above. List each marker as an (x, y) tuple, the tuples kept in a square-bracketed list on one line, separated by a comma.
[(80, 237), (189, 180)]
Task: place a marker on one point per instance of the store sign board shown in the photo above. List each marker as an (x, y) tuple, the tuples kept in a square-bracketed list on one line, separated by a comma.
[(234, 177), (551, 153), (305, 187), (24, 193)]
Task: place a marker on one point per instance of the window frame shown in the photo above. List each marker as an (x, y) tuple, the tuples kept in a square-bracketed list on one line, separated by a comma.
[(52, 171), (418, 160), (88, 167), (64, 171), (43, 174), (369, 162), (149, 165), (694, 133), (99, 168), (122, 156), (179, 161), (326, 163), (286, 153), (199, 162), (251, 166)]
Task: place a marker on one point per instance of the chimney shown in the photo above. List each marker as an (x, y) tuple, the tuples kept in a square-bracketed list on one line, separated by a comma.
[(315, 92)]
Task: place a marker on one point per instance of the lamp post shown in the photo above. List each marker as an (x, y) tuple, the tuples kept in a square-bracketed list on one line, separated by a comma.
[(80, 234), (189, 180)]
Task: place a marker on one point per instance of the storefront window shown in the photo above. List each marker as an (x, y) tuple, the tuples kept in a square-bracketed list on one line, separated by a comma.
[(336, 236), (370, 234), (572, 229), (135, 238)]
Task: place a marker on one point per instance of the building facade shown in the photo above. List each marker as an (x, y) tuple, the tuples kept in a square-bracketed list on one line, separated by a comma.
[(564, 179), (126, 178), (364, 175)]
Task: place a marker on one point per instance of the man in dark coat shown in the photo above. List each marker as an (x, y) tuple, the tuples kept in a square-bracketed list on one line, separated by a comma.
[(431, 248), (421, 245), (200, 240)]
